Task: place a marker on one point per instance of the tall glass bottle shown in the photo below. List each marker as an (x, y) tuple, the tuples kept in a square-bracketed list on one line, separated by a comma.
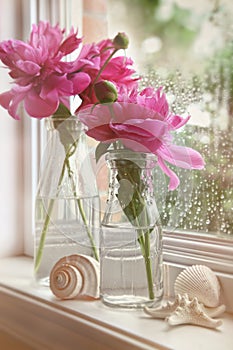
[(67, 205), (131, 234)]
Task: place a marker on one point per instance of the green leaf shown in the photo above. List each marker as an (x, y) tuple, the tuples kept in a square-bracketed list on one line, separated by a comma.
[(130, 189), (100, 150), (62, 112), (129, 170), (59, 117)]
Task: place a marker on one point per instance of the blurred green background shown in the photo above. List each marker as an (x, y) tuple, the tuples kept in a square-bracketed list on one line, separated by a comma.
[(187, 47)]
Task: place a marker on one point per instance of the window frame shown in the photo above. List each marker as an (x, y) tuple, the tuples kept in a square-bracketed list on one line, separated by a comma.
[(188, 248), (180, 250), (67, 13), (180, 247)]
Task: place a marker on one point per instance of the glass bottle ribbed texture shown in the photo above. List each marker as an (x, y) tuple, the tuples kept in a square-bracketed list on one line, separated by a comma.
[(131, 233)]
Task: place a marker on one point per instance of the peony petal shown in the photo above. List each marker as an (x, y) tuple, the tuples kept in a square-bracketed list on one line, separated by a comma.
[(54, 86), (16, 100), (87, 59), (46, 37), (131, 129), (123, 111), (5, 99), (11, 100), (177, 121), (39, 108), (139, 140), (155, 100), (102, 133), (180, 156), (157, 128), (70, 44), (28, 67), (135, 145), (80, 82), (94, 116), (174, 180)]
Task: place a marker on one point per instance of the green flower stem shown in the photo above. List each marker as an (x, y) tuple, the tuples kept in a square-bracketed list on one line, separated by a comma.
[(43, 236), (148, 260), (148, 264), (40, 249), (104, 65), (90, 236), (144, 241), (88, 230)]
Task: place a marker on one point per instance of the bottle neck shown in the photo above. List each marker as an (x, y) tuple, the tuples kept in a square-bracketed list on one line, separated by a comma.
[(66, 156), (131, 199), (130, 159), (131, 173), (132, 179)]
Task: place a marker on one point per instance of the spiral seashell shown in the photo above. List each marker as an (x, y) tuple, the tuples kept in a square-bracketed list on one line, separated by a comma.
[(201, 282), (192, 312), (75, 276)]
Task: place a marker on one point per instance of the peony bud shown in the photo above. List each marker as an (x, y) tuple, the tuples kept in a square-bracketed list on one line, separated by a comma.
[(105, 91), (121, 41)]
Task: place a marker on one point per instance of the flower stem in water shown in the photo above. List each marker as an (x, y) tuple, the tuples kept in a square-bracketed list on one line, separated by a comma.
[(40, 249)]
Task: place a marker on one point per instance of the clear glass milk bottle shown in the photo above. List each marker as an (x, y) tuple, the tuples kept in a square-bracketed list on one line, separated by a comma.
[(131, 234), (67, 209)]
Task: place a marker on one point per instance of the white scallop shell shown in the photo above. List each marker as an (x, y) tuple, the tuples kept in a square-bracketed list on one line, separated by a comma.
[(192, 312), (201, 282), (75, 276), (215, 311)]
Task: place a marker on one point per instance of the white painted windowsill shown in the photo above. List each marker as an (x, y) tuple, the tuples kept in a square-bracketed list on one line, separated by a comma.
[(39, 320)]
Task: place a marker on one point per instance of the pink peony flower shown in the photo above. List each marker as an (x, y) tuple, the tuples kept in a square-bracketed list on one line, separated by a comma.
[(118, 71), (42, 78), (143, 129)]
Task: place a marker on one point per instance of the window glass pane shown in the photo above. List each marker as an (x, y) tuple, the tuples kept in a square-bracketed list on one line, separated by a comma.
[(187, 46)]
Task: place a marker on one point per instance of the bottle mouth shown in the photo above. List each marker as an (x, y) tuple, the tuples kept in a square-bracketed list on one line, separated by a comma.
[(71, 123)]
